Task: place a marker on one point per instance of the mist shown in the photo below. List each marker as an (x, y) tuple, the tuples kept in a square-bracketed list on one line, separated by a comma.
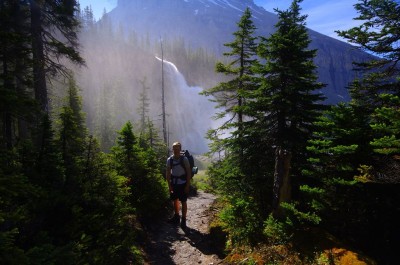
[(189, 115), (119, 64)]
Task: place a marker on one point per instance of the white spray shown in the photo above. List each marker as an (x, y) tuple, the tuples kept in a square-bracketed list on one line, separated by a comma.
[(189, 115)]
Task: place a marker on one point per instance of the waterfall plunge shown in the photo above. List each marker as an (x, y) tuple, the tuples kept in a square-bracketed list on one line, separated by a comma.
[(189, 115)]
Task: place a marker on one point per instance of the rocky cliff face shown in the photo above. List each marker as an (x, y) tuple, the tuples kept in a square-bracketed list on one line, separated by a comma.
[(210, 24)]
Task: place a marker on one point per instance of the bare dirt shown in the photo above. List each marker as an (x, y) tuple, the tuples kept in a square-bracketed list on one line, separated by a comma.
[(170, 244)]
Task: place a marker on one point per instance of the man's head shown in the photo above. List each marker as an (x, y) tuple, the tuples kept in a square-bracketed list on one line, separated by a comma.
[(176, 148)]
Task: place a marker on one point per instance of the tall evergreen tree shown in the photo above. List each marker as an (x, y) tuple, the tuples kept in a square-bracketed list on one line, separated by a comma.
[(231, 96), (375, 94), (35, 34), (363, 136), (139, 166), (15, 73), (53, 30), (143, 107), (104, 118), (229, 174), (72, 133), (287, 102)]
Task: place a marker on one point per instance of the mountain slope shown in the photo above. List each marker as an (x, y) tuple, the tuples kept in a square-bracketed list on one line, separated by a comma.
[(210, 24)]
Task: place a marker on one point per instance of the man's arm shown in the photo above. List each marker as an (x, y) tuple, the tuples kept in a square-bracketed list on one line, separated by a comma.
[(168, 176)]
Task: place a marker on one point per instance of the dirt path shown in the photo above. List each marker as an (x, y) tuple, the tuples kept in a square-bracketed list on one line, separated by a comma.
[(170, 244)]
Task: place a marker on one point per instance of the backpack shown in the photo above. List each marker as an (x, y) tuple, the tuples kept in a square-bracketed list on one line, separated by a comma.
[(185, 153)]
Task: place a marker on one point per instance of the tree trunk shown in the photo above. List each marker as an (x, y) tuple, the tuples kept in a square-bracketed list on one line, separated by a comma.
[(282, 184), (7, 118), (39, 75)]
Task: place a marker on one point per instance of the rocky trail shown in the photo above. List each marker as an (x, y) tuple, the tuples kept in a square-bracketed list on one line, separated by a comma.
[(170, 244)]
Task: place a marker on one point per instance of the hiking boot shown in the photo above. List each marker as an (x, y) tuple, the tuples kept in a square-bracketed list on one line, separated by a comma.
[(183, 223), (174, 220)]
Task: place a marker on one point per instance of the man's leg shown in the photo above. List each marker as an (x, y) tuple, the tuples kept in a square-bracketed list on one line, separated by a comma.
[(176, 207), (175, 202), (184, 212), (184, 209)]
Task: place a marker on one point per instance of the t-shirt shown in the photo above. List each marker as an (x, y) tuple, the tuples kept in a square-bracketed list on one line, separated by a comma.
[(177, 169)]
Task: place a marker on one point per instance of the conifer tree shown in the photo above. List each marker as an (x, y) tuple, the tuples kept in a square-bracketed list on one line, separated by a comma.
[(231, 96), (73, 131), (48, 17), (362, 136), (287, 101), (35, 35), (15, 74), (104, 120), (143, 107), (139, 167), (375, 94)]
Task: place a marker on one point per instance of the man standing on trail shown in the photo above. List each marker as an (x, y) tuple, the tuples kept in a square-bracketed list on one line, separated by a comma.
[(178, 178)]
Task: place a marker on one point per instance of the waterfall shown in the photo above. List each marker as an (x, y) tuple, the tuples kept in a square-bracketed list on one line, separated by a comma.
[(189, 115)]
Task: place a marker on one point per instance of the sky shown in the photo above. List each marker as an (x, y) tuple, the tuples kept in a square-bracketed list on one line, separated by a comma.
[(324, 16)]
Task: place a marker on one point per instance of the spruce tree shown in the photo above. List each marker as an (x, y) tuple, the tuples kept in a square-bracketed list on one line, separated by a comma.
[(231, 96), (143, 106), (375, 94), (229, 174), (287, 101), (53, 27), (73, 132), (17, 105), (362, 136), (148, 191), (104, 119)]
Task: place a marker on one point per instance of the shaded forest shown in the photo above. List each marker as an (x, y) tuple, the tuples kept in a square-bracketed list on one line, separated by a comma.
[(63, 200), (82, 161)]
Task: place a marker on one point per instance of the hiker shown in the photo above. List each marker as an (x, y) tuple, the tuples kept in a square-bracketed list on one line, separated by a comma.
[(178, 177)]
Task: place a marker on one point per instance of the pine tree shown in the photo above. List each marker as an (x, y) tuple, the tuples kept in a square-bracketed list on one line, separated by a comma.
[(17, 106), (231, 96), (35, 35), (375, 94), (104, 118), (72, 134), (148, 191), (47, 17), (362, 136), (143, 106), (287, 101)]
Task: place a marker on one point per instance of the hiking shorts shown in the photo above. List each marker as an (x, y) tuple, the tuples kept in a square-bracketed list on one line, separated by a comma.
[(178, 192)]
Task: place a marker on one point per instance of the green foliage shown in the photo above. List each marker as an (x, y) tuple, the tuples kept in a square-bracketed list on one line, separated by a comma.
[(62, 201), (285, 102), (338, 145), (276, 104), (105, 118), (386, 126), (241, 220), (148, 190), (278, 232), (363, 136), (300, 215), (13, 211), (231, 96)]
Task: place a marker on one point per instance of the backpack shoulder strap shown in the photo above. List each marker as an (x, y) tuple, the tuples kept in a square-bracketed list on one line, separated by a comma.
[(171, 161)]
